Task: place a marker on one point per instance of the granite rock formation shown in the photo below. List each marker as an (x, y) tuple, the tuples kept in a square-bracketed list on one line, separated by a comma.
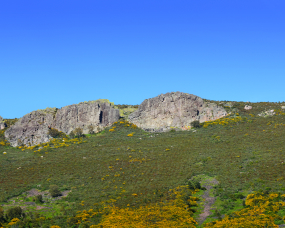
[(176, 110), (267, 113), (2, 123), (247, 107), (32, 128)]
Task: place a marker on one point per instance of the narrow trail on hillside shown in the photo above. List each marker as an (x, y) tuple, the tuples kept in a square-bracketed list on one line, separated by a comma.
[(209, 201)]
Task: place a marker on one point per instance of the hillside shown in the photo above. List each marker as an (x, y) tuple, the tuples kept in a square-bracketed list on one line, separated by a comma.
[(124, 176)]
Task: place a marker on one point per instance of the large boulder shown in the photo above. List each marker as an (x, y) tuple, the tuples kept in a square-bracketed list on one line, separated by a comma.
[(32, 128), (174, 110), (247, 107), (2, 123), (82, 115)]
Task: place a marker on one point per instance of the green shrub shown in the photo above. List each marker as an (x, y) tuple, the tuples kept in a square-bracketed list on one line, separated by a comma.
[(53, 132), (20, 142), (195, 184), (54, 191), (14, 212), (1, 214), (78, 132), (91, 129), (72, 135), (72, 221), (196, 124), (83, 225), (38, 199), (56, 133)]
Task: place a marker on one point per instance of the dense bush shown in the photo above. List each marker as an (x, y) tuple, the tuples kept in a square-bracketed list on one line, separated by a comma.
[(195, 184), (78, 132), (196, 124), (72, 135), (1, 214), (54, 191), (53, 132), (14, 212), (91, 129), (38, 199)]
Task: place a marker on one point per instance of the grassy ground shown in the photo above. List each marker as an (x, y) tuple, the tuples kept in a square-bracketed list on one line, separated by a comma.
[(136, 170)]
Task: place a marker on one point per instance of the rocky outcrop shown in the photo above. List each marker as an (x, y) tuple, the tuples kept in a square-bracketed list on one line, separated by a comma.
[(82, 115), (174, 110), (2, 123), (247, 107), (267, 113), (32, 128)]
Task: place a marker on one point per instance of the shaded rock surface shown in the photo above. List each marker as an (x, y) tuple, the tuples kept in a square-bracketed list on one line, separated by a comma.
[(174, 110), (32, 128), (2, 123)]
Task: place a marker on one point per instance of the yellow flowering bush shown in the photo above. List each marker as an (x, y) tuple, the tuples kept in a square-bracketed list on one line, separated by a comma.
[(261, 211), (174, 213), (53, 144), (223, 121), (14, 221)]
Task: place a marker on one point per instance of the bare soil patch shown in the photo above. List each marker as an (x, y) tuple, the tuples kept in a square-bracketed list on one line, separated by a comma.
[(209, 201)]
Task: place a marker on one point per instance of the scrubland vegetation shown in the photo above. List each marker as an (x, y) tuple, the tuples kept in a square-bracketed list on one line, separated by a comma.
[(125, 177)]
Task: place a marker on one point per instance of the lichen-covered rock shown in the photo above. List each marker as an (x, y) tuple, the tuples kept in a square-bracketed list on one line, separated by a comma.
[(99, 115), (247, 107), (267, 113), (228, 104), (2, 123), (32, 128), (174, 110)]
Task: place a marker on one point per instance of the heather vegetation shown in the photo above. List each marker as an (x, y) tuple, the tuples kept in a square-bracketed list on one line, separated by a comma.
[(126, 177)]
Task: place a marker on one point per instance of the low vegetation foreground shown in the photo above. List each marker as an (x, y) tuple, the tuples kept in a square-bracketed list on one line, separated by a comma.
[(227, 172)]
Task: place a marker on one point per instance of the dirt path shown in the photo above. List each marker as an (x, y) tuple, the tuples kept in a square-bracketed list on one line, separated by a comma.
[(209, 201)]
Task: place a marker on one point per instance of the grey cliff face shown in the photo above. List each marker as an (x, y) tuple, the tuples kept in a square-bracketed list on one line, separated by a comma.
[(2, 123), (82, 115), (32, 128), (174, 110)]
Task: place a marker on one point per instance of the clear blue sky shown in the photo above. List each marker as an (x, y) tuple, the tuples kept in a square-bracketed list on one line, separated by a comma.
[(57, 53)]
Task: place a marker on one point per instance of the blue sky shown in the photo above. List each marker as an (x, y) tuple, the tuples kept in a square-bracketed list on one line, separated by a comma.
[(57, 53)]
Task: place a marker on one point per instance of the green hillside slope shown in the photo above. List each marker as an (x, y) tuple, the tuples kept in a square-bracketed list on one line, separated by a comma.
[(144, 176)]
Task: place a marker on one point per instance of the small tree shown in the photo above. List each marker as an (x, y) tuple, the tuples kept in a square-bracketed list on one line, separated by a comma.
[(38, 199), (91, 129), (54, 191), (196, 124), (53, 132), (14, 212), (78, 132), (72, 135)]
